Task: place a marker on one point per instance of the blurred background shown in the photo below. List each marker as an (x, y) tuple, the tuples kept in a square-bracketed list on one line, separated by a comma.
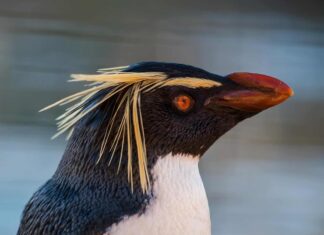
[(264, 177)]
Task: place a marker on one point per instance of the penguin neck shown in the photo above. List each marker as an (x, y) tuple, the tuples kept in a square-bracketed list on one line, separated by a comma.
[(177, 192)]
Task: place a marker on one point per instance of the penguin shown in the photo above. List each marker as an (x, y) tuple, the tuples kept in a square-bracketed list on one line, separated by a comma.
[(136, 135)]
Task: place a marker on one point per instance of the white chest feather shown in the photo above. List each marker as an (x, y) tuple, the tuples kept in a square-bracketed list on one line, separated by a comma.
[(179, 206)]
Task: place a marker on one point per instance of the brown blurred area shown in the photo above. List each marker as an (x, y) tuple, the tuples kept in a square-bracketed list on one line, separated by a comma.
[(264, 177)]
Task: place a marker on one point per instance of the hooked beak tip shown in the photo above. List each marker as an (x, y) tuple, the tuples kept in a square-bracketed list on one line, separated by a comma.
[(290, 92)]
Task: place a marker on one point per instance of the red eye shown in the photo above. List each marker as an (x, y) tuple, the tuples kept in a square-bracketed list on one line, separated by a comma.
[(183, 102)]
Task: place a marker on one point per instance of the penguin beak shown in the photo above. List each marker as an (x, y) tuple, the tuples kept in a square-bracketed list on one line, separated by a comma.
[(252, 93)]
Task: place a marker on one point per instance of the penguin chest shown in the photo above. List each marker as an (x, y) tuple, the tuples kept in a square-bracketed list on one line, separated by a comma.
[(179, 204)]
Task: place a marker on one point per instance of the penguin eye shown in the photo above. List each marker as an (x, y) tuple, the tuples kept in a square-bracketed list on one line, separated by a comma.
[(183, 102)]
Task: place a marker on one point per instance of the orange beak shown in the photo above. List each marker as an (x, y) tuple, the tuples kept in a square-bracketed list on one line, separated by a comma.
[(256, 92)]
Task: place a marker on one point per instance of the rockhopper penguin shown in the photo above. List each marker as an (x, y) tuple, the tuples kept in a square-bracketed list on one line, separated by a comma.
[(136, 135)]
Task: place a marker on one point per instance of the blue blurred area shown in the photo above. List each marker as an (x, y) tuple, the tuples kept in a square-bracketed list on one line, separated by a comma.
[(263, 177)]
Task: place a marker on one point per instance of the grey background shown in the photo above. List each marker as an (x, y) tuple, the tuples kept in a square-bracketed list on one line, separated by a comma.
[(264, 177)]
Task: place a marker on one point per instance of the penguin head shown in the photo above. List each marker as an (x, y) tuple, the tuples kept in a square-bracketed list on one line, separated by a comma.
[(188, 118), (152, 109)]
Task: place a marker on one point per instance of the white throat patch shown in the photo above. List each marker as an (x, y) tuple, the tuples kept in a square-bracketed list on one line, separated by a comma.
[(179, 205)]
